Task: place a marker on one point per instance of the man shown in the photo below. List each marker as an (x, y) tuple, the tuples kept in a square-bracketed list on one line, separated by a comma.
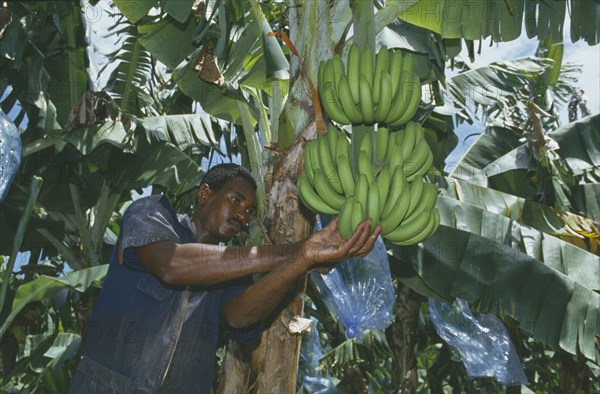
[(172, 286)]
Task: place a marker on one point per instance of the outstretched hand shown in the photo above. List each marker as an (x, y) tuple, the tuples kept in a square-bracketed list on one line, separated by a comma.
[(326, 248)]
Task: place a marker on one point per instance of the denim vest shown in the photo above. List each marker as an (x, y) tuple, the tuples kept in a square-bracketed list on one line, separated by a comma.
[(146, 336)]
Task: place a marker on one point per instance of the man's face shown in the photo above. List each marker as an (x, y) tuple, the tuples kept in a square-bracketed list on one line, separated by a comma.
[(229, 210)]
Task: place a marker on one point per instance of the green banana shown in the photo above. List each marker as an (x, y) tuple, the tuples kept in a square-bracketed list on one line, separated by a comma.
[(395, 70), (385, 97), (366, 145), (338, 68), (366, 100), (366, 65), (362, 190), (345, 172), (373, 205), (424, 168), (397, 185), (349, 107), (416, 189), (412, 105), (329, 166), (408, 140), (332, 136), (381, 63), (381, 143), (407, 230), (426, 201), (401, 98), (311, 199), (416, 158), (358, 214), (345, 218), (391, 221), (432, 225), (353, 72), (365, 167), (384, 180), (326, 191), (308, 168), (396, 159), (328, 92)]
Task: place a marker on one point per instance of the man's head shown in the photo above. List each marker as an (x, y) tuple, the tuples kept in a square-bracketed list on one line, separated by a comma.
[(226, 203)]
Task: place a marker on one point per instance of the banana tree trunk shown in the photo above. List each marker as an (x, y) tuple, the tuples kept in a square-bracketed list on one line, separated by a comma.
[(315, 29)]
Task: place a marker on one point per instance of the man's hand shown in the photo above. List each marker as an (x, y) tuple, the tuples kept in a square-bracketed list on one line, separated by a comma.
[(325, 248)]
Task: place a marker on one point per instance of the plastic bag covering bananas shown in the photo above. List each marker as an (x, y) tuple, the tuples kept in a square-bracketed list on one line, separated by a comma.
[(387, 186), (384, 92)]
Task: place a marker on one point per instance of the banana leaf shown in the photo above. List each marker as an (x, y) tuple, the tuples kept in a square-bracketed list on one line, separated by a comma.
[(135, 10), (171, 43), (177, 9), (184, 131), (554, 308), (44, 287), (579, 144)]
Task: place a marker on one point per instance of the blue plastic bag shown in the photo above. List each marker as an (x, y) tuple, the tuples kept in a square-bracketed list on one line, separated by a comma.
[(482, 341), (359, 292), (10, 153), (311, 353)]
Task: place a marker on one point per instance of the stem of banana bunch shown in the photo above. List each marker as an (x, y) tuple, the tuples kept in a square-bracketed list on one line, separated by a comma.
[(363, 23)]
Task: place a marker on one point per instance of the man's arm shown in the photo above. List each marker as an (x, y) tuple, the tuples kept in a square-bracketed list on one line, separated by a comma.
[(324, 249), (205, 264)]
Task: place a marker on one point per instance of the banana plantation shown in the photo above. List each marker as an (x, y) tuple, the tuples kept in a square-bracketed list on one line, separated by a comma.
[(337, 107)]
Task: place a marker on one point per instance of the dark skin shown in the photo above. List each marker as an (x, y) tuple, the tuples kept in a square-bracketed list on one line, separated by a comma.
[(218, 217)]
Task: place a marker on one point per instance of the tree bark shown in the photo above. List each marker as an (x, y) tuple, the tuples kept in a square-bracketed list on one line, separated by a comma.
[(404, 376)]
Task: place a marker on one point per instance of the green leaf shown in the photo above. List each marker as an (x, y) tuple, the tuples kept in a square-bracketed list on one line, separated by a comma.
[(177, 9), (578, 264), (552, 307), (169, 42), (44, 287), (183, 131), (89, 138), (134, 10), (579, 144)]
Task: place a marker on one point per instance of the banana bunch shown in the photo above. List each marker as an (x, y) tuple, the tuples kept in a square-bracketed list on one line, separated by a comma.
[(385, 92), (387, 185)]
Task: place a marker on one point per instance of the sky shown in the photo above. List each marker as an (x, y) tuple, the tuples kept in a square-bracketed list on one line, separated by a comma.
[(588, 57)]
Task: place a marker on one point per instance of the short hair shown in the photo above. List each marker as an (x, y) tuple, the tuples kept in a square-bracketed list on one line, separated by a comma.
[(219, 175)]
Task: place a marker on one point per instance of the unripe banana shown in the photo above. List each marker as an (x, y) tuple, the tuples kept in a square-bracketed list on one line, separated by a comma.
[(327, 192), (366, 65), (366, 100), (362, 190), (396, 159), (343, 145), (385, 97), (434, 222), (332, 137), (409, 139), (416, 189), (391, 221), (366, 145), (350, 109), (311, 199), (401, 99), (328, 166), (345, 218), (338, 68), (417, 158), (365, 167), (384, 180), (412, 105), (328, 93), (424, 168), (381, 143), (345, 172), (394, 146), (358, 214), (308, 169), (353, 72), (397, 185), (426, 201), (381, 63), (395, 70), (373, 205), (407, 230)]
